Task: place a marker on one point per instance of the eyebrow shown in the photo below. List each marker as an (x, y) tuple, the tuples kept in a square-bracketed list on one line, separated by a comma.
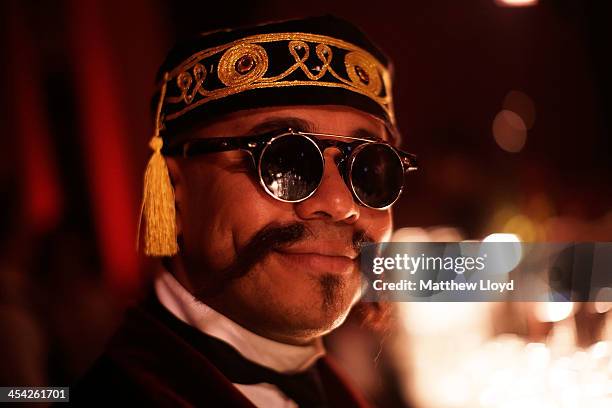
[(367, 134), (283, 123), (303, 125)]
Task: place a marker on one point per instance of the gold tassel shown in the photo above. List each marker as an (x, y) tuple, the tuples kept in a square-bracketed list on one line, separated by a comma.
[(158, 197)]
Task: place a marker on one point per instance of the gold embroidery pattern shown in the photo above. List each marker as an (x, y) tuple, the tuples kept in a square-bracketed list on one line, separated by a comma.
[(243, 65), (184, 81), (362, 72)]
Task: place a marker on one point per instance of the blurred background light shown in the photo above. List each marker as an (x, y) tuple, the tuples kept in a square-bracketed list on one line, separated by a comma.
[(410, 234), (509, 131), (444, 234), (502, 259), (553, 311), (500, 237), (603, 300), (521, 104), (521, 226), (516, 3)]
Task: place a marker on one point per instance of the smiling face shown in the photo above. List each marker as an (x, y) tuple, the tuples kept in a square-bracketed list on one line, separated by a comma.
[(228, 224)]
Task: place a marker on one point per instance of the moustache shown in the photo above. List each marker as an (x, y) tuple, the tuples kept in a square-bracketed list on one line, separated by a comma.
[(270, 238)]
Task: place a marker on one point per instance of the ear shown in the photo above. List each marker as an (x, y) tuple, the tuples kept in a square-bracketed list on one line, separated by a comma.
[(176, 178)]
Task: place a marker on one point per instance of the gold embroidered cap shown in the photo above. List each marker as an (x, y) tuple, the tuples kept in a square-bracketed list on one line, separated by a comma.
[(313, 61)]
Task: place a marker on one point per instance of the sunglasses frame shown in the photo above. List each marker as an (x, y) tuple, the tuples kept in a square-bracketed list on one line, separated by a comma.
[(256, 146)]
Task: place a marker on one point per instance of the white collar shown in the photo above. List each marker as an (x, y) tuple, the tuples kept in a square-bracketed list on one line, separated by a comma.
[(284, 358)]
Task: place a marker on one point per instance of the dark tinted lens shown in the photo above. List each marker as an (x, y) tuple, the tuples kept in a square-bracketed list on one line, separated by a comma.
[(377, 175), (291, 167)]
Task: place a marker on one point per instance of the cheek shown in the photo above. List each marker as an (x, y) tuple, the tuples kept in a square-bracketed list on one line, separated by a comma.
[(223, 211), (377, 224)]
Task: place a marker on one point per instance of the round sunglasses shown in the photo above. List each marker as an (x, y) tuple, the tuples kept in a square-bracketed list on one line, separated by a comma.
[(290, 164)]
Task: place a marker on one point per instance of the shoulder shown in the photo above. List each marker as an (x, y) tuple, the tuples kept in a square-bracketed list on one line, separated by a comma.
[(149, 363)]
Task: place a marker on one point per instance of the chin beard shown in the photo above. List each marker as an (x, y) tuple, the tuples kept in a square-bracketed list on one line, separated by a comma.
[(336, 297)]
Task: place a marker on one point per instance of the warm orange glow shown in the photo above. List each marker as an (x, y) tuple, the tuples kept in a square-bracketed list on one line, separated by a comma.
[(521, 226)]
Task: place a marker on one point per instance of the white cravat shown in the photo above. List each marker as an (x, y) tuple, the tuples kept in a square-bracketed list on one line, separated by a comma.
[(281, 357)]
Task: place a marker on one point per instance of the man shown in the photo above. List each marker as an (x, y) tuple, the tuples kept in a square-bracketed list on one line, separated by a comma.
[(273, 163)]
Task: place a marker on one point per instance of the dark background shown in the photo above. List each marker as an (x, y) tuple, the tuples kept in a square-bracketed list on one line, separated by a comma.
[(77, 77)]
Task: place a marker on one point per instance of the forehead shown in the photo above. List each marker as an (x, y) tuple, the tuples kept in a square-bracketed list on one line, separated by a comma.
[(324, 119)]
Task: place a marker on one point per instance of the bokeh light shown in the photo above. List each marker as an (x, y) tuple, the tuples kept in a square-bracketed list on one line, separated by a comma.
[(501, 237), (603, 300), (516, 3), (509, 131), (502, 259), (553, 311), (521, 104)]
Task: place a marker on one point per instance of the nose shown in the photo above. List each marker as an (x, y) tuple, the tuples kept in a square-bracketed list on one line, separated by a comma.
[(332, 201)]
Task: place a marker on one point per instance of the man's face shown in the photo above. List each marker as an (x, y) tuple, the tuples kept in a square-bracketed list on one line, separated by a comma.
[(287, 271)]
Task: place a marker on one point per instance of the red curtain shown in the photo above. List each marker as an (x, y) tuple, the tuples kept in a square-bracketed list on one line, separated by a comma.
[(110, 51)]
